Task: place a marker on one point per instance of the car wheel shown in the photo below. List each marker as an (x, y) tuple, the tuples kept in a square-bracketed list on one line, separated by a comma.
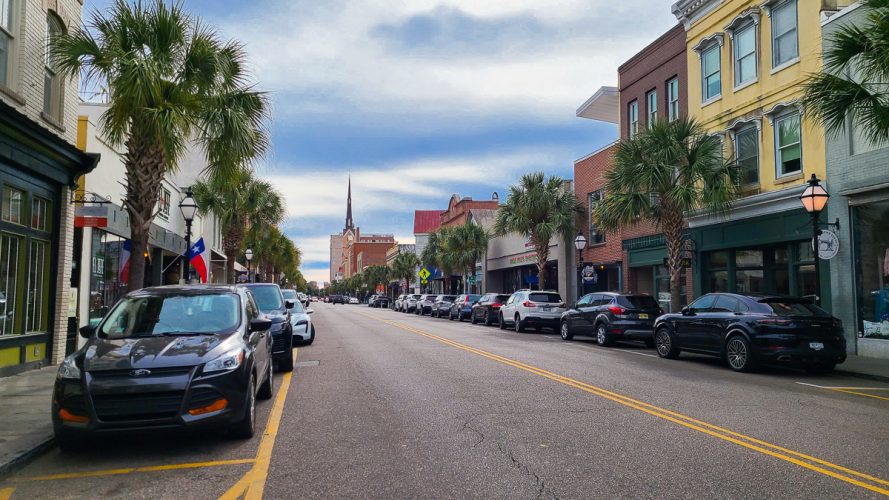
[(246, 427), (519, 324), (821, 368), (488, 320), (460, 317), (565, 332), (285, 364), (602, 337), (663, 343), (311, 337), (267, 389), (500, 323), (738, 354)]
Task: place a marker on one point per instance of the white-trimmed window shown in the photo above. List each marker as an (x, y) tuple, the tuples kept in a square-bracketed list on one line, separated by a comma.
[(788, 144), (744, 43), (785, 46), (596, 237), (673, 98), (633, 118), (747, 155), (163, 203), (711, 73), (52, 80), (651, 99), (7, 8)]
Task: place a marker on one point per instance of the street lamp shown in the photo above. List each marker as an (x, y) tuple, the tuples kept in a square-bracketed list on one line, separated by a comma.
[(189, 208), (814, 199), (579, 244), (249, 256)]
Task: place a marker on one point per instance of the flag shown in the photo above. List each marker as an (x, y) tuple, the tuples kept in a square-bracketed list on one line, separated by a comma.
[(200, 259), (125, 250)]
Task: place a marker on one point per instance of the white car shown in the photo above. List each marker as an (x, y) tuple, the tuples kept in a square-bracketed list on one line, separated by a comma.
[(353, 300), (399, 301), (527, 308), (303, 329)]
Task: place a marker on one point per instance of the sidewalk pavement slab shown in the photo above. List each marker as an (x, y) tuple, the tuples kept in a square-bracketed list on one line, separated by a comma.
[(25, 413), (869, 368)]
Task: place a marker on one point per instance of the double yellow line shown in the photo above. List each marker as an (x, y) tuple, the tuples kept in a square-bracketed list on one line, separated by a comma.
[(818, 465)]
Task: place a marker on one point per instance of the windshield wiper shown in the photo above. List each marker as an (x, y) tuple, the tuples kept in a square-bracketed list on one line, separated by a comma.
[(182, 334)]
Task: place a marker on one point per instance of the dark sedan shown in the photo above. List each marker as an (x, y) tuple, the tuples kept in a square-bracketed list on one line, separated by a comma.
[(442, 306), (462, 306), (610, 316), (487, 309), (747, 330), (177, 356), (271, 302), (379, 301)]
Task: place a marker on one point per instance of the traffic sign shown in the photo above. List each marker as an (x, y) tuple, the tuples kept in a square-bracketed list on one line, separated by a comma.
[(424, 274), (471, 280)]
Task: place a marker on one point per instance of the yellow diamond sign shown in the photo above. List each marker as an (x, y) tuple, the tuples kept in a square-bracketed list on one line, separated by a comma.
[(424, 274)]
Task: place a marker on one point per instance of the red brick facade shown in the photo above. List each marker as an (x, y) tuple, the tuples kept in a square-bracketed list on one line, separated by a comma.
[(458, 210), (589, 176)]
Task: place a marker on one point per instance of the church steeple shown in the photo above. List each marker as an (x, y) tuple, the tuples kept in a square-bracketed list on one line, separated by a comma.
[(349, 223)]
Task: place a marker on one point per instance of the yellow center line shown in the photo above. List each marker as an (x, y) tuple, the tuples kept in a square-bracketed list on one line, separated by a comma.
[(678, 418), (252, 484), (131, 470), (861, 394), (6, 493)]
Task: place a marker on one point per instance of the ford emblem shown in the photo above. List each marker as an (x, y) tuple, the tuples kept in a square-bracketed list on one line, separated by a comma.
[(140, 372)]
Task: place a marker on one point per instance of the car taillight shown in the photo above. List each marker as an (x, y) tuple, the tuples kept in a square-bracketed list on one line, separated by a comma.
[(562, 304), (528, 303), (616, 310), (774, 321), (496, 306)]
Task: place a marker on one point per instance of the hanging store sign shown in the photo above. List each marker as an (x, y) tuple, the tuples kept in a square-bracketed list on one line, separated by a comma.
[(590, 276), (91, 216), (828, 245)]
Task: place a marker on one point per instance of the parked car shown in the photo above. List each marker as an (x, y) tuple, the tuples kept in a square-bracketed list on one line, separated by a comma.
[(487, 308), (370, 301), (353, 300), (398, 302), (200, 361), (338, 299), (750, 329), (462, 306), (411, 303), (442, 306), (534, 309), (379, 301), (303, 298), (271, 302), (301, 321), (424, 304), (611, 316)]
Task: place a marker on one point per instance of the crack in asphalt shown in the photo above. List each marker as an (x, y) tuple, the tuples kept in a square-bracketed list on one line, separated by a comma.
[(480, 434), (542, 490)]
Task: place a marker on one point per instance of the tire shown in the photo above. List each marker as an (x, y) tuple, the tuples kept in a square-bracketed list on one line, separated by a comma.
[(821, 368), (311, 337), (450, 316), (565, 332), (664, 344), (602, 337), (738, 354), (285, 364), (519, 324), (500, 323), (267, 389), (488, 321), (460, 317), (246, 427)]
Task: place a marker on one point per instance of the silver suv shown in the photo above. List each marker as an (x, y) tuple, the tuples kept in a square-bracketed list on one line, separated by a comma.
[(409, 304), (534, 309)]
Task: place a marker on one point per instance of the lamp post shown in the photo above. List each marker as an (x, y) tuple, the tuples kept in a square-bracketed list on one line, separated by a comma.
[(189, 208), (814, 199), (249, 256), (579, 244)]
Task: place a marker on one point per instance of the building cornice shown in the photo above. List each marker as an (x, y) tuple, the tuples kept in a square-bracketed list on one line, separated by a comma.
[(689, 11)]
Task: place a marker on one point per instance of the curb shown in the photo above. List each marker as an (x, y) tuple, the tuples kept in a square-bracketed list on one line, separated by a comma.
[(866, 376), (24, 457)]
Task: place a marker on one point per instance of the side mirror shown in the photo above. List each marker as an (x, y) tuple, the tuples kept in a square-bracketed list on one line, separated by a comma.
[(87, 331), (309, 311), (687, 311), (288, 304), (260, 324)]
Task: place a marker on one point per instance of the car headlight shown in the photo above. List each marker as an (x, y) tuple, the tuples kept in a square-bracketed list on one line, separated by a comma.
[(68, 370), (301, 322), (228, 361)]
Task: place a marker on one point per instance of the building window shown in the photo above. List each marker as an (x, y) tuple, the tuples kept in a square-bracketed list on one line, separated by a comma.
[(871, 248), (788, 144), (745, 54), (37, 309), (633, 115), (52, 80), (40, 212), (673, 99), (9, 282), (13, 202), (711, 78), (163, 204), (594, 198), (651, 98), (6, 9), (784, 38), (747, 155)]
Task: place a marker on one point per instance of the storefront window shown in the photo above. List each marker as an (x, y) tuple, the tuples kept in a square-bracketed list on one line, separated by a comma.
[(105, 286), (38, 287), (12, 205), (786, 268), (9, 281), (662, 286), (872, 263)]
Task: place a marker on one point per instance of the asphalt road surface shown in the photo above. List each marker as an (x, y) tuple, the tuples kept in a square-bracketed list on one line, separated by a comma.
[(389, 405)]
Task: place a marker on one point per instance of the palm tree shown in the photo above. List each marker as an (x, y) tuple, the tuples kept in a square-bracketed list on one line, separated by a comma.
[(405, 267), (852, 85), (172, 82), (539, 209), (466, 245), (436, 254), (238, 202), (663, 174)]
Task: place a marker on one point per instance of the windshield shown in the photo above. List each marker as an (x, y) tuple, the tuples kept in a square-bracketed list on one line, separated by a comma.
[(268, 298), (546, 298), (288, 294), (173, 314)]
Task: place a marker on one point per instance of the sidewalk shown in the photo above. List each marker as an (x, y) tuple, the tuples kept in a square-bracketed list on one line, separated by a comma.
[(25, 413), (870, 368)]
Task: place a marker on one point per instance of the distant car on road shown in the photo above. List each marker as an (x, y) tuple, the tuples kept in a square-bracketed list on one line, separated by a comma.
[(442, 306), (338, 299), (750, 329), (379, 301), (353, 300), (398, 301), (173, 356), (611, 316), (303, 329), (462, 306), (411, 305), (424, 304), (487, 309), (534, 309)]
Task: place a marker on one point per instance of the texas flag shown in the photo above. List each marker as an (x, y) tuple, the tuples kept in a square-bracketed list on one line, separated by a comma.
[(200, 259), (125, 250)]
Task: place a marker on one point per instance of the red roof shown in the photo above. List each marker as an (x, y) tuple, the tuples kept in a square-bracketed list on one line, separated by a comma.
[(426, 221)]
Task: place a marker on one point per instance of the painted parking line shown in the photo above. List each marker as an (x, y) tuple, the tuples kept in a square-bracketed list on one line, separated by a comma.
[(637, 352), (852, 390), (6, 493), (252, 484), (809, 462), (131, 470)]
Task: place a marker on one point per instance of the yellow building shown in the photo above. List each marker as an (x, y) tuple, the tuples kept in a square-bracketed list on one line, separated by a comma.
[(747, 60)]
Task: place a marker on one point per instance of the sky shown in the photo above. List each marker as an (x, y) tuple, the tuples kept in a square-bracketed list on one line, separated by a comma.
[(421, 99)]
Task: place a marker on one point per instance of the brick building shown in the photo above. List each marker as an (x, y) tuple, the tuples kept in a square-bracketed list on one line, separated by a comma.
[(360, 251), (458, 209)]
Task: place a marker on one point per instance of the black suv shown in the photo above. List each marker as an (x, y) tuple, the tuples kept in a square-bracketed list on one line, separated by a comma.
[(611, 316), (487, 309), (750, 329), (271, 302)]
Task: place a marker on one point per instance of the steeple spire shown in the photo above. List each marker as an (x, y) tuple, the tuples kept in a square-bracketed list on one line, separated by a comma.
[(349, 223)]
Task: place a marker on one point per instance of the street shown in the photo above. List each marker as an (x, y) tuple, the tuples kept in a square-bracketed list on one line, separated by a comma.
[(385, 404)]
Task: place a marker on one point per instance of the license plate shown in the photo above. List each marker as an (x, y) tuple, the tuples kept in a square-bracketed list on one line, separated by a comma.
[(816, 345), (547, 308), (643, 316)]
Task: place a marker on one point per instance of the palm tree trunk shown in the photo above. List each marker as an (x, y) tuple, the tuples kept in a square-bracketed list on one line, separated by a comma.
[(674, 235), (542, 250), (145, 165), (232, 244)]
